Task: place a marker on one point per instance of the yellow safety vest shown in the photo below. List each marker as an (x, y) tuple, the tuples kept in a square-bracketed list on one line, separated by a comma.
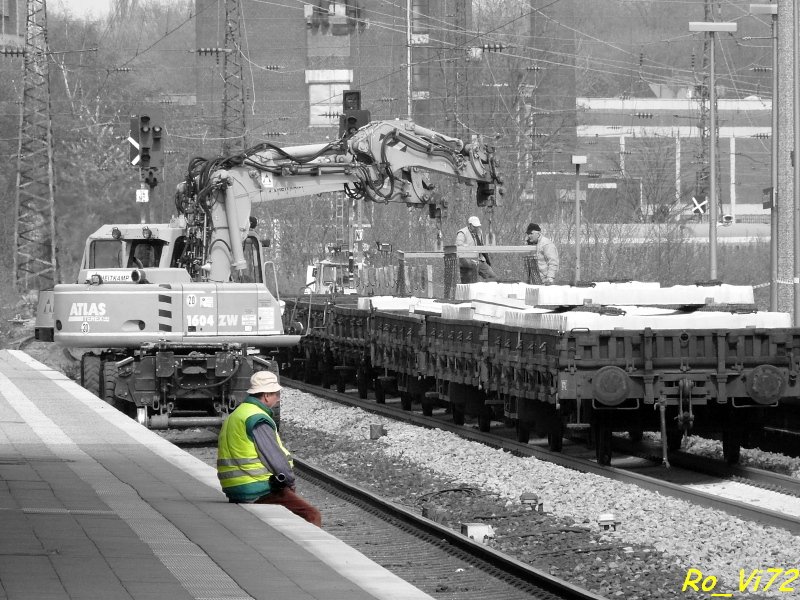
[(240, 471)]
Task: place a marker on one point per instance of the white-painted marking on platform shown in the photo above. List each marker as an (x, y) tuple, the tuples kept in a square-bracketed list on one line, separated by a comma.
[(181, 556), (353, 565)]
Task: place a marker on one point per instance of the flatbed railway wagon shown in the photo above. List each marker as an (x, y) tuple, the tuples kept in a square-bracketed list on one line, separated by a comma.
[(717, 380)]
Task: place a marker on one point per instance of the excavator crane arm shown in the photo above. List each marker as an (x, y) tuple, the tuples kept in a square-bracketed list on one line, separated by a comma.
[(406, 153), (384, 161)]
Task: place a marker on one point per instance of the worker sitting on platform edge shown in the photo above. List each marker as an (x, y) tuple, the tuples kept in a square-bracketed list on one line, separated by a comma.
[(253, 465), (473, 265)]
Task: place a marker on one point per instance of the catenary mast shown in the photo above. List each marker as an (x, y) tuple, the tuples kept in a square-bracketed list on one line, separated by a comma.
[(35, 263)]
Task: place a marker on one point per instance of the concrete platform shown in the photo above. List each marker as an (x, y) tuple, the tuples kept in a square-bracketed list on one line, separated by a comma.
[(92, 505)]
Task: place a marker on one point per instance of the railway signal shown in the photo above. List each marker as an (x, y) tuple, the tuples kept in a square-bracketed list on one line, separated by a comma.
[(352, 117)]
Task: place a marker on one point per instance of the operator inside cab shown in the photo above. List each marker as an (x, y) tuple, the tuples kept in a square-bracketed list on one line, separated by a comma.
[(144, 255), (112, 254)]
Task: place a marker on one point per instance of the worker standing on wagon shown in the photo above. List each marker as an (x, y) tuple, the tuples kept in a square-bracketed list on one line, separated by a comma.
[(253, 465), (473, 266), (545, 259)]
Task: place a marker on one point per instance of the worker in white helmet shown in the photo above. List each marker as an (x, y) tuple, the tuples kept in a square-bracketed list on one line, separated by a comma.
[(474, 266)]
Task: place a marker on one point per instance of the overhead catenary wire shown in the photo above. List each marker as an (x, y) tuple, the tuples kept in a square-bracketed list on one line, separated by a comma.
[(650, 69), (599, 70)]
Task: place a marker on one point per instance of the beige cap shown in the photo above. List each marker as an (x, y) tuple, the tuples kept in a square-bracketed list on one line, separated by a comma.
[(264, 382), (474, 221)]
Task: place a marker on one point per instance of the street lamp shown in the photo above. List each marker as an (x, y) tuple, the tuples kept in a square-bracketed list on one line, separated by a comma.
[(578, 161), (712, 27), (772, 9), (796, 160)]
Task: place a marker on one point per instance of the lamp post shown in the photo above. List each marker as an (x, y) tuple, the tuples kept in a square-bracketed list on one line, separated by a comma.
[(409, 56), (712, 27), (578, 161), (796, 161), (772, 9)]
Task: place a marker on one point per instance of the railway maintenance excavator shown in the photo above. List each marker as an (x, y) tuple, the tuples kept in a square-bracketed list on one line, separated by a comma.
[(174, 317)]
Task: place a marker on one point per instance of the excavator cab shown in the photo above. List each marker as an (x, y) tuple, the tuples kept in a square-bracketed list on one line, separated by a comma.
[(129, 247), (328, 277), (130, 254)]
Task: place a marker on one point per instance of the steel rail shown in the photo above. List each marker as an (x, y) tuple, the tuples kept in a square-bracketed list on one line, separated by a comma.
[(733, 507), (509, 567)]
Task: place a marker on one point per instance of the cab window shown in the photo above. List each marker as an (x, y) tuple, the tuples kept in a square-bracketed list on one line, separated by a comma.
[(106, 254), (145, 254), (178, 259), (329, 275), (252, 257)]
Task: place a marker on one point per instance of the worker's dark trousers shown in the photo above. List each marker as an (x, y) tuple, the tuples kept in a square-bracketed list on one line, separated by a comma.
[(294, 503), (468, 274), (480, 272)]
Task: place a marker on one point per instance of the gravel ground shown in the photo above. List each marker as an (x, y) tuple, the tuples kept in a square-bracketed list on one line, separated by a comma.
[(648, 555)]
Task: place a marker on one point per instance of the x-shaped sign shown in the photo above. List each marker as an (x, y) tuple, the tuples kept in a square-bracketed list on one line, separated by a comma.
[(134, 148), (699, 207)]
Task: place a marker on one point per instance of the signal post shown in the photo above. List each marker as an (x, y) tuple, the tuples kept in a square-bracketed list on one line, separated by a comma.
[(146, 153)]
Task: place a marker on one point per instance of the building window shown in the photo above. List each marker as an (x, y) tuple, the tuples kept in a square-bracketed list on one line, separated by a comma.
[(335, 17), (325, 87)]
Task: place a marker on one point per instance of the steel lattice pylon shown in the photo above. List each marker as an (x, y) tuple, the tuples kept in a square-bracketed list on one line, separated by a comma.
[(233, 118), (35, 264)]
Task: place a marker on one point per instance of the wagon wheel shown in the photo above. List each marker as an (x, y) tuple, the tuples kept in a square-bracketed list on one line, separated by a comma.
[(308, 367), (555, 432), (341, 381), (731, 446), (380, 392), (485, 419), (674, 439), (602, 442), (362, 381), (458, 415), (427, 407), (328, 375), (523, 432)]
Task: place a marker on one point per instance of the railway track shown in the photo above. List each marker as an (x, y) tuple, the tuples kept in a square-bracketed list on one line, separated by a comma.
[(760, 478), (690, 477), (492, 574), (781, 440), (437, 559)]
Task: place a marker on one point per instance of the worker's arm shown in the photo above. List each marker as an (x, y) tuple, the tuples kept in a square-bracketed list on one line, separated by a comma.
[(271, 453), (551, 255)]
